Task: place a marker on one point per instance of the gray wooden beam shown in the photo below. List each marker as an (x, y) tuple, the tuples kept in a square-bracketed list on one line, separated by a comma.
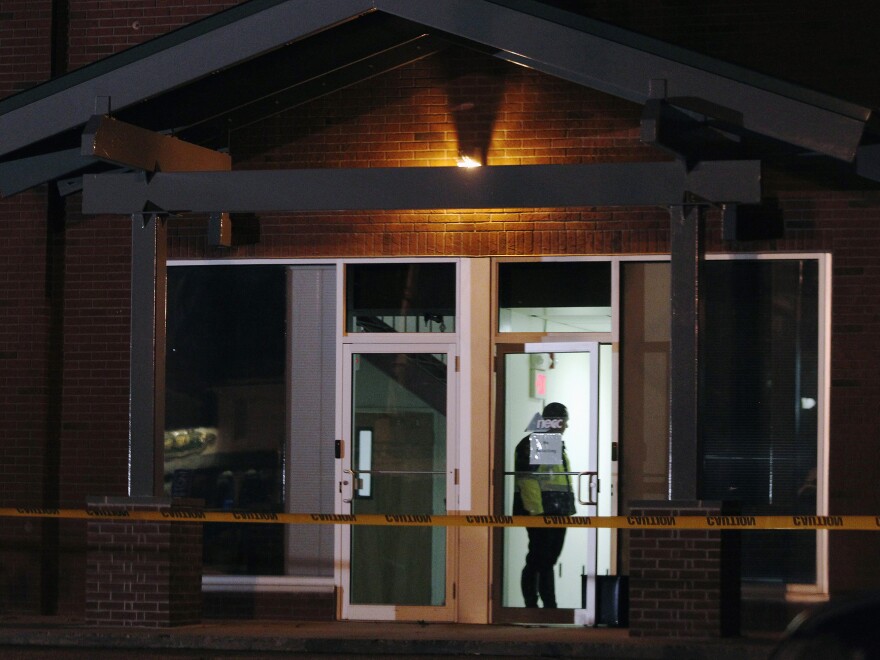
[(527, 186), (25, 173)]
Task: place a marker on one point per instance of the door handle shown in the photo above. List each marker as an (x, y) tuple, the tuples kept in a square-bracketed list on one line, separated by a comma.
[(592, 488), (356, 484), (345, 482)]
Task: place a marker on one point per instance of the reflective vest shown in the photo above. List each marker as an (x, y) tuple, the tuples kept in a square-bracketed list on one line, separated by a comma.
[(531, 480)]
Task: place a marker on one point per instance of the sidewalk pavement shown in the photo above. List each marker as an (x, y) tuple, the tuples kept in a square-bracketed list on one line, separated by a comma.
[(383, 639)]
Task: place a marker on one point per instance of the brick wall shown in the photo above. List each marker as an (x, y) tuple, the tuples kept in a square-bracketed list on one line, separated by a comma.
[(25, 29), (99, 28), (25, 303), (96, 358), (23, 356), (143, 573), (420, 116), (852, 224), (24, 394), (683, 583)]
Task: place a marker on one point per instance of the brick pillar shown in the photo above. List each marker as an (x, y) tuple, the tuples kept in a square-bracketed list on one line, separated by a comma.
[(144, 573), (683, 583)]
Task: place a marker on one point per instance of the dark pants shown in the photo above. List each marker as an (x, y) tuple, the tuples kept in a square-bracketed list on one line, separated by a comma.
[(537, 576)]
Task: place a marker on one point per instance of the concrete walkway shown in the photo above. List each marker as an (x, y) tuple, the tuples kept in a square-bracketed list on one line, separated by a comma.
[(384, 640)]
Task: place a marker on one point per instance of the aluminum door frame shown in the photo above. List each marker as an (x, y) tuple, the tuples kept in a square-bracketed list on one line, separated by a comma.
[(346, 610), (501, 614)]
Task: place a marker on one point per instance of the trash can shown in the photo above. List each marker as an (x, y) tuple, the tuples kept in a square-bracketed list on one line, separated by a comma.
[(612, 600)]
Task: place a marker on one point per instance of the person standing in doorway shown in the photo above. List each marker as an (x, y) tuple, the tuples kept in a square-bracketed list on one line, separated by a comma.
[(542, 488)]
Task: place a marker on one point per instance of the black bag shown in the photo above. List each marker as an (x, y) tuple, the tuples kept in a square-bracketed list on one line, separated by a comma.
[(612, 599), (558, 502)]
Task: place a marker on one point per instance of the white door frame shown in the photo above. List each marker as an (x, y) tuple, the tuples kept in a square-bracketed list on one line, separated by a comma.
[(346, 609), (586, 615)]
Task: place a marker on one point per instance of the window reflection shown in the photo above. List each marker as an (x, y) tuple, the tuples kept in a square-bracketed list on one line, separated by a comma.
[(225, 406), (758, 399), (399, 402), (759, 443), (400, 297)]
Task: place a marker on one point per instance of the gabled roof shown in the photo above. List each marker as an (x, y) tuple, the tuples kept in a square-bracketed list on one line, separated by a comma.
[(264, 56)]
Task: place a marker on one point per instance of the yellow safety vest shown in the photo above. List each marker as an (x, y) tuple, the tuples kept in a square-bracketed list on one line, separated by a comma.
[(529, 483)]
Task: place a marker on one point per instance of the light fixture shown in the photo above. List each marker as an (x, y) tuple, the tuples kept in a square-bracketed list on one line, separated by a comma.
[(466, 161)]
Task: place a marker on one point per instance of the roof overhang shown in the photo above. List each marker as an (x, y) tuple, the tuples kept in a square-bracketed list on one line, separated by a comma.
[(264, 56)]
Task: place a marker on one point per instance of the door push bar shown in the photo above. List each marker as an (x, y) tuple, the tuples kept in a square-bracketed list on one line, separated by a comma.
[(358, 482), (592, 488), (592, 483)]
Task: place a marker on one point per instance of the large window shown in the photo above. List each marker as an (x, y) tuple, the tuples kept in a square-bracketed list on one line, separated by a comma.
[(760, 398), (251, 394), (225, 406)]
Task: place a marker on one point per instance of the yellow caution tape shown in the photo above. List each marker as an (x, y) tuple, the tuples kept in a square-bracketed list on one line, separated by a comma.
[(863, 523)]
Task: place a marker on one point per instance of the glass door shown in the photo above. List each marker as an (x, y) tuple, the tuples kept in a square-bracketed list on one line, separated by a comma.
[(396, 459), (546, 450)]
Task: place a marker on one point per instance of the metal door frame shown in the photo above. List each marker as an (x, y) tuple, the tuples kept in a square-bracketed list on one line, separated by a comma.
[(352, 611)]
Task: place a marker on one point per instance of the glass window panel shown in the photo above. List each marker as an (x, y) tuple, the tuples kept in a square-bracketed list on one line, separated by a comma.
[(644, 379), (400, 297), (759, 438), (400, 400), (225, 406), (759, 399), (555, 296)]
